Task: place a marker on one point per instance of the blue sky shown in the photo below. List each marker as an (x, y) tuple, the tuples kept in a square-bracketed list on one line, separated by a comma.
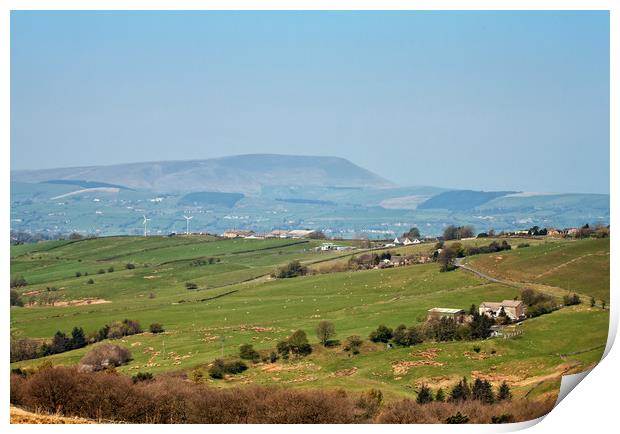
[(481, 100)]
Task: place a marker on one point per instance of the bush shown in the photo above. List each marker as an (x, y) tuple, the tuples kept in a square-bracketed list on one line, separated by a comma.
[(130, 266), (219, 368), (382, 334), (247, 352), (156, 328), (424, 395), (103, 357), (16, 299), (101, 271), (18, 282), (78, 274), (457, 418), (570, 300), (190, 285), (111, 270), (292, 269), (142, 376), (353, 344), (90, 281)]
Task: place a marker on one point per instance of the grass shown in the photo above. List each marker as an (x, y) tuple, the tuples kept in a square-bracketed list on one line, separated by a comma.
[(252, 308)]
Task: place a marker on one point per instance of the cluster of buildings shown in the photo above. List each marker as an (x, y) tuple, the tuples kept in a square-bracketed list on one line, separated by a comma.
[(515, 310), (402, 242), (278, 233)]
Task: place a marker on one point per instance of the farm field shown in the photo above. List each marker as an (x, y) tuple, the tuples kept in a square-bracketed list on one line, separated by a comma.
[(237, 302)]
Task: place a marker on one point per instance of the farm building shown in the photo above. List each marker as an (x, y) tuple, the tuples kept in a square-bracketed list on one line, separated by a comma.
[(515, 309), (237, 233), (437, 313)]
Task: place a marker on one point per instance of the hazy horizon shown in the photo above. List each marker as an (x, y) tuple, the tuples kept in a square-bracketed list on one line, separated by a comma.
[(471, 100)]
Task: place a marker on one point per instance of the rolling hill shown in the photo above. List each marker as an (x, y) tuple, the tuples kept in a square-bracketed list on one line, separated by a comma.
[(241, 174)]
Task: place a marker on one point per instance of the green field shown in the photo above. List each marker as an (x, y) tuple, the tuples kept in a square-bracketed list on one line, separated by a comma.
[(253, 308)]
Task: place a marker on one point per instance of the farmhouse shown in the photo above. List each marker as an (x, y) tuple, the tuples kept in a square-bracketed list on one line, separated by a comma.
[(437, 313), (515, 309), (237, 233), (277, 233)]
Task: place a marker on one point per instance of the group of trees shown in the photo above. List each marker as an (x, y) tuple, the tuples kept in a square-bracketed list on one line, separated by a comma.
[(538, 303), (105, 356), (446, 255), (452, 232), (480, 390), (296, 344), (292, 269), (25, 349), (219, 368), (367, 261), (440, 330)]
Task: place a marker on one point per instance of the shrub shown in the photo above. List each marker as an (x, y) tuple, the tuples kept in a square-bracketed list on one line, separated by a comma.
[(104, 356), (156, 328), (457, 418), (523, 245), (16, 299), (142, 376), (298, 343), (18, 282), (570, 300), (190, 285), (424, 395), (353, 344), (382, 334), (130, 266), (78, 274), (111, 270), (247, 352), (503, 418), (90, 281), (101, 271), (219, 368), (292, 269)]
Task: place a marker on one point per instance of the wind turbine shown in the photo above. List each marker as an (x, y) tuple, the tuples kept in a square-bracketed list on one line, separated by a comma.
[(144, 223), (187, 219)]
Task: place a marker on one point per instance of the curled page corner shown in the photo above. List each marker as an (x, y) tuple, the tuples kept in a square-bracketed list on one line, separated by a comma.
[(568, 383)]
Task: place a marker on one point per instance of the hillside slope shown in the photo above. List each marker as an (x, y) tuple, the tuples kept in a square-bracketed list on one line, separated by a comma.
[(241, 173)]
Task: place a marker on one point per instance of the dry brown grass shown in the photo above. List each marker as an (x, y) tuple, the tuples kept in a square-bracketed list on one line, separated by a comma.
[(167, 399)]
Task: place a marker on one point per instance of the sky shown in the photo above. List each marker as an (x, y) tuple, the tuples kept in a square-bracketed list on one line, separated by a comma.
[(475, 100)]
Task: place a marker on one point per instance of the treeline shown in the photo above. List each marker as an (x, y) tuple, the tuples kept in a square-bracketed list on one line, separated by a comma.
[(25, 349), (446, 255), (441, 330), (170, 399)]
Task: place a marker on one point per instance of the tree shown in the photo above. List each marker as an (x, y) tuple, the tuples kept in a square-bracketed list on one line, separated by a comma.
[(247, 352), (466, 231), (480, 326), (504, 393), (398, 336), (482, 391), (18, 282), (382, 334), (60, 343), (16, 299), (353, 344), (424, 395), (592, 302), (156, 328), (446, 259), (440, 395), (461, 391), (451, 232), (458, 418), (298, 343), (325, 330), (78, 338), (414, 232)]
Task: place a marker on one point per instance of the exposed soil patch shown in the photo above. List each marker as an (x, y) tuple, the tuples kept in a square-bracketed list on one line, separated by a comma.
[(345, 372), (80, 302)]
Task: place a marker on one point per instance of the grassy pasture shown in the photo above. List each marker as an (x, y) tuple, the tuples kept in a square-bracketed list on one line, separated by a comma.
[(259, 310), (581, 266)]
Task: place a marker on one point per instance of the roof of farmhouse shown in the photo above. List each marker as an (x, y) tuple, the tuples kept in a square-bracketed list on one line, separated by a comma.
[(445, 310)]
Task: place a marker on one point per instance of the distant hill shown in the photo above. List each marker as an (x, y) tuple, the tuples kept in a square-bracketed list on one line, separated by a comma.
[(206, 198), (459, 200), (240, 174)]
